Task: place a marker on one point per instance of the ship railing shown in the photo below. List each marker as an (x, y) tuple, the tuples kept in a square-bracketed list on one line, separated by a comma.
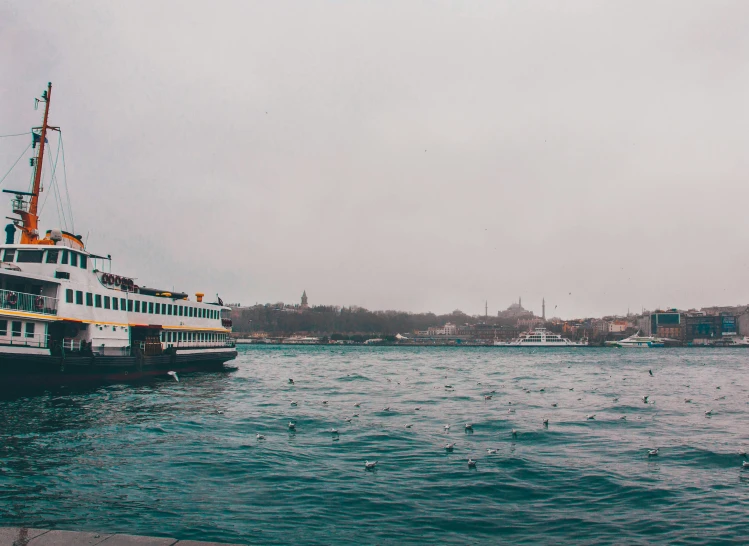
[(200, 344), (26, 340), (32, 303)]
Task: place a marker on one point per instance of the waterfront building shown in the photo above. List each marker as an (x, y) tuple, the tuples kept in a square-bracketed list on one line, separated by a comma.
[(448, 329)]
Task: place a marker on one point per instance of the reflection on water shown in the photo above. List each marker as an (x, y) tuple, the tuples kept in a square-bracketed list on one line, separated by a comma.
[(181, 459)]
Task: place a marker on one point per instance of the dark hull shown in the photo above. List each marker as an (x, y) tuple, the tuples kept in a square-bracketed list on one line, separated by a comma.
[(54, 371)]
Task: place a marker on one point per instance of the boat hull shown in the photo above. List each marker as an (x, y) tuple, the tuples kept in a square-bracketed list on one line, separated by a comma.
[(36, 370)]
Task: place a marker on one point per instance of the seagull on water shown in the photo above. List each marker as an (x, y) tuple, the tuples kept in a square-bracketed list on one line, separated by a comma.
[(515, 433), (652, 452), (259, 436), (357, 404), (687, 400), (469, 426), (324, 402), (293, 403), (651, 373), (386, 408), (333, 431), (449, 447), (616, 399), (590, 416), (292, 425), (355, 415), (369, 466), (645, 399), (623, 417), (409, 425), (709, 412), (546, 422), (510, 410), (487, 397), (471, 463), (447, 427), (492, 451), (348, 419), (417, 408), (174, 375), (745, 464), (742, 452), (291, 381), (554, 405)]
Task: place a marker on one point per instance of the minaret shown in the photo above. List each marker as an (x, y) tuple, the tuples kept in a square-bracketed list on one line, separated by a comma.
[(304, 299), (543, 308), (520, 301), (486, 309)]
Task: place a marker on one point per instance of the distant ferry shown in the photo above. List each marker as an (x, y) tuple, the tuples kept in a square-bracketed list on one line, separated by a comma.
[(65, 319), (540, 337), (638, 342)]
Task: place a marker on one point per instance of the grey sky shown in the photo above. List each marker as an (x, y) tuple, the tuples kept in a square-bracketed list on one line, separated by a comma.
[(408, 155)]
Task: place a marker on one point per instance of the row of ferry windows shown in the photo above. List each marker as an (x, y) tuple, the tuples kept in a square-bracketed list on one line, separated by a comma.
[(137, 306), (175, 337), (53, 256), (16, 329)]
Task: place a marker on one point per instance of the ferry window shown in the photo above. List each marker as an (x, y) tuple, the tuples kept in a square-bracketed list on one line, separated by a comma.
[(30, 256), (10, 255), (123, 304), (53, 255), (150, 307), (163, 308), (30, 329), (137, 306), (169, 309), (129, 305), (192, 311), (115, 304), (107, 299), (84, 261), (89, 299), (16, 327), (180, 310), (74, 259), (3, 327), (68, 296), (79, 297), (98, 300), (158, 308), (64, 260)]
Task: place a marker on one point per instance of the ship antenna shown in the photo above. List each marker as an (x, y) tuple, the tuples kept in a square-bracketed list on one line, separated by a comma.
[(30, 218)]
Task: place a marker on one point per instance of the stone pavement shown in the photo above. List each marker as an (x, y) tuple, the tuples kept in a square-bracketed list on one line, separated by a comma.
[(22, 536)]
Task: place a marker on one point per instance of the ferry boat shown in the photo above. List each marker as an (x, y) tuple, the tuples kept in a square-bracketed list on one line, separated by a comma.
[(64, 319), (541, 337), (638, 342)]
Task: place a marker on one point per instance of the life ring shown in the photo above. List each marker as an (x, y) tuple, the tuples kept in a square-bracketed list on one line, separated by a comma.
[(12, 298), (39, 302), (117, 280), (105, 278)]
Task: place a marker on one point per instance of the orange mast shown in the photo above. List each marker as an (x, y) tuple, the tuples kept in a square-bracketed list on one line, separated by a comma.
[(30, 218)]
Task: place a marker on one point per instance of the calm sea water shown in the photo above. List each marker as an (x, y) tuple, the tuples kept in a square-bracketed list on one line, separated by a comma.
[(161, 458)]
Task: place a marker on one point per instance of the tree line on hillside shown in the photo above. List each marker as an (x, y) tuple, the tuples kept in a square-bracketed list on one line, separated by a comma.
[(328, 320)]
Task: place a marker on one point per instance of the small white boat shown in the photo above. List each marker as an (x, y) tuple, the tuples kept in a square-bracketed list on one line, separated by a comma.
[(540, 337), (639, 342)]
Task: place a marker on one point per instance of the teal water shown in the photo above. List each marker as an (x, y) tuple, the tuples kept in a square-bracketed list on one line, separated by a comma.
[(160, 458)]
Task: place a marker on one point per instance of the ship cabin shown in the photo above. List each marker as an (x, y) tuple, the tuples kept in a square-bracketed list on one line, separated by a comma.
[(57, 298)]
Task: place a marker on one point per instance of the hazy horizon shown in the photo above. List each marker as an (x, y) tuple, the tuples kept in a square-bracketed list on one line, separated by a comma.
[(414, 156)]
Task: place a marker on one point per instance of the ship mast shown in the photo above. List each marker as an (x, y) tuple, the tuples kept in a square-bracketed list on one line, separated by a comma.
[(30, 217)]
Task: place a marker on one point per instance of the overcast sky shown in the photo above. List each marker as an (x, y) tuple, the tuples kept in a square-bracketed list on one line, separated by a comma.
[(422, 156)]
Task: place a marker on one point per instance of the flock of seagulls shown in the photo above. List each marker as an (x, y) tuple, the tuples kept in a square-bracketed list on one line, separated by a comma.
[(469, 427)]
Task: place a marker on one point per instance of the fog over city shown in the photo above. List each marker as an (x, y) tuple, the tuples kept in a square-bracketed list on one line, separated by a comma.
[(422, 156)]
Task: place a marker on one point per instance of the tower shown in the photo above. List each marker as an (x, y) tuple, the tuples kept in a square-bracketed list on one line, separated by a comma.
[(304, 300), (543, 308), (486, 309)]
